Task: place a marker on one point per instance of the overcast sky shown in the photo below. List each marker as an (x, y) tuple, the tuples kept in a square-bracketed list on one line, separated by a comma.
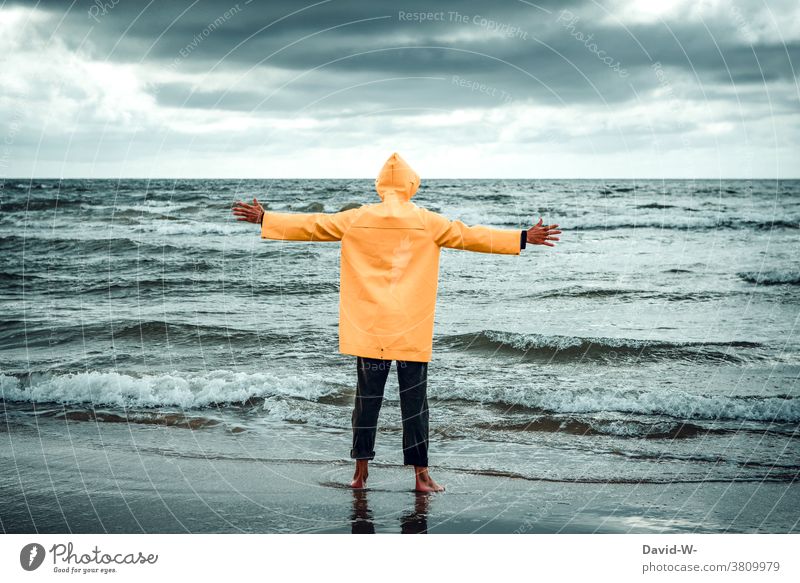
[(504, 88)]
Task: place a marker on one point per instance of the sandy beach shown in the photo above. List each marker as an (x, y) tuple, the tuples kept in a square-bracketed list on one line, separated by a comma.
[(68, 476)]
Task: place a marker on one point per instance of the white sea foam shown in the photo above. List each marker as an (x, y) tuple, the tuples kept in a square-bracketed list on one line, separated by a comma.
[(676, 403), (187, 390), (193, 228), (192, 390), (278, 409)]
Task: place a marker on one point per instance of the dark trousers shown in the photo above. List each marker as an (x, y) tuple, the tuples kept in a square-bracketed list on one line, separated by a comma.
[(413, 380)]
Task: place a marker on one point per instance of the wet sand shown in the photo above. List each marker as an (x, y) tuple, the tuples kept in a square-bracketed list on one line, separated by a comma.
[(128, 478)]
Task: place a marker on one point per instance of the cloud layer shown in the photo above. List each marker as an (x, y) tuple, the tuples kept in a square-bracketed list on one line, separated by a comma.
[(462, 89)]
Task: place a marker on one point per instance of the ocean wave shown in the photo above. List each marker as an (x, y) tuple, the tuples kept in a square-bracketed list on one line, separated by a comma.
[(771, 277), (92, 245), (33, 333), (282, 409), (614, 428), (196, 285), (145, 284), (717, 190), (676, 404), (166, 419), (699, 224), (144, 215), (55, 204), (656, 205), (172, 228), (85, 245), (312, 207), (185, 390), (569, 348), (625, 428), (581, 291)]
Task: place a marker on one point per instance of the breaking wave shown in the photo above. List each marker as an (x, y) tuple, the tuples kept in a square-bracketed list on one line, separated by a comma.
[(569, 348), (186, 390), (771, 277), (675, 403)]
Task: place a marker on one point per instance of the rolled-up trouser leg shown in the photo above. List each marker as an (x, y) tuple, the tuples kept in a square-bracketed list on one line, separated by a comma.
[(413, 380), (372, 374)]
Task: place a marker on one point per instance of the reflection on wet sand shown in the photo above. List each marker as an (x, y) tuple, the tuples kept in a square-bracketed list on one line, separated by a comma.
[(412, 522), (361, 520), (416, 521)]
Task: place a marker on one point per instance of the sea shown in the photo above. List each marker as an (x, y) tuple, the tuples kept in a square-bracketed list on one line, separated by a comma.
[(656, 342)]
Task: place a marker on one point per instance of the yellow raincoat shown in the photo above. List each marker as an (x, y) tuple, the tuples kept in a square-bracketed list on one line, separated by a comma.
[(389, 263)]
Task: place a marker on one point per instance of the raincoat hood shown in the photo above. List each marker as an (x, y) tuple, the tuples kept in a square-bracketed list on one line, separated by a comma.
[(397, 179)]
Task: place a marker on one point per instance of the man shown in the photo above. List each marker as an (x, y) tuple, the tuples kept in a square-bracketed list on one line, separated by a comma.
[(387, 296)]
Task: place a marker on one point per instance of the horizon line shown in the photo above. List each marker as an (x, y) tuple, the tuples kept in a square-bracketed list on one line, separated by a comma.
[(372, 178)]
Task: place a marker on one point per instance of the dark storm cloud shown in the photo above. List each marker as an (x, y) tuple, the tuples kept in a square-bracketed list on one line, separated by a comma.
[(543, 60), (343, 59)]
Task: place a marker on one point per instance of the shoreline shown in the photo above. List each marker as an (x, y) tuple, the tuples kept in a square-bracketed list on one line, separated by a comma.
[(75, 483)]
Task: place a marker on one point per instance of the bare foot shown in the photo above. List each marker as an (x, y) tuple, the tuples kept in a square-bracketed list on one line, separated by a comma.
[(360, 475), (424, 482)]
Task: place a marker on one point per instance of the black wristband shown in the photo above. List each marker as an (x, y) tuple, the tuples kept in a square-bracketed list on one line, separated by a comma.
[(523, 239)]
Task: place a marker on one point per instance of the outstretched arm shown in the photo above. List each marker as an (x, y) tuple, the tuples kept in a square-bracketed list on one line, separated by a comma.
[(295, 226), (457, 235)]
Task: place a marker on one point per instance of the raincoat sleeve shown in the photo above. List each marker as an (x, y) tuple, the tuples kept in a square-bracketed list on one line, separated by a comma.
[(306, 226), (457, 235)]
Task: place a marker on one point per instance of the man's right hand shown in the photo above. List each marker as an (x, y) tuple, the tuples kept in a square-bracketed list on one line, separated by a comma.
[(252, 213), (540, 234)]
